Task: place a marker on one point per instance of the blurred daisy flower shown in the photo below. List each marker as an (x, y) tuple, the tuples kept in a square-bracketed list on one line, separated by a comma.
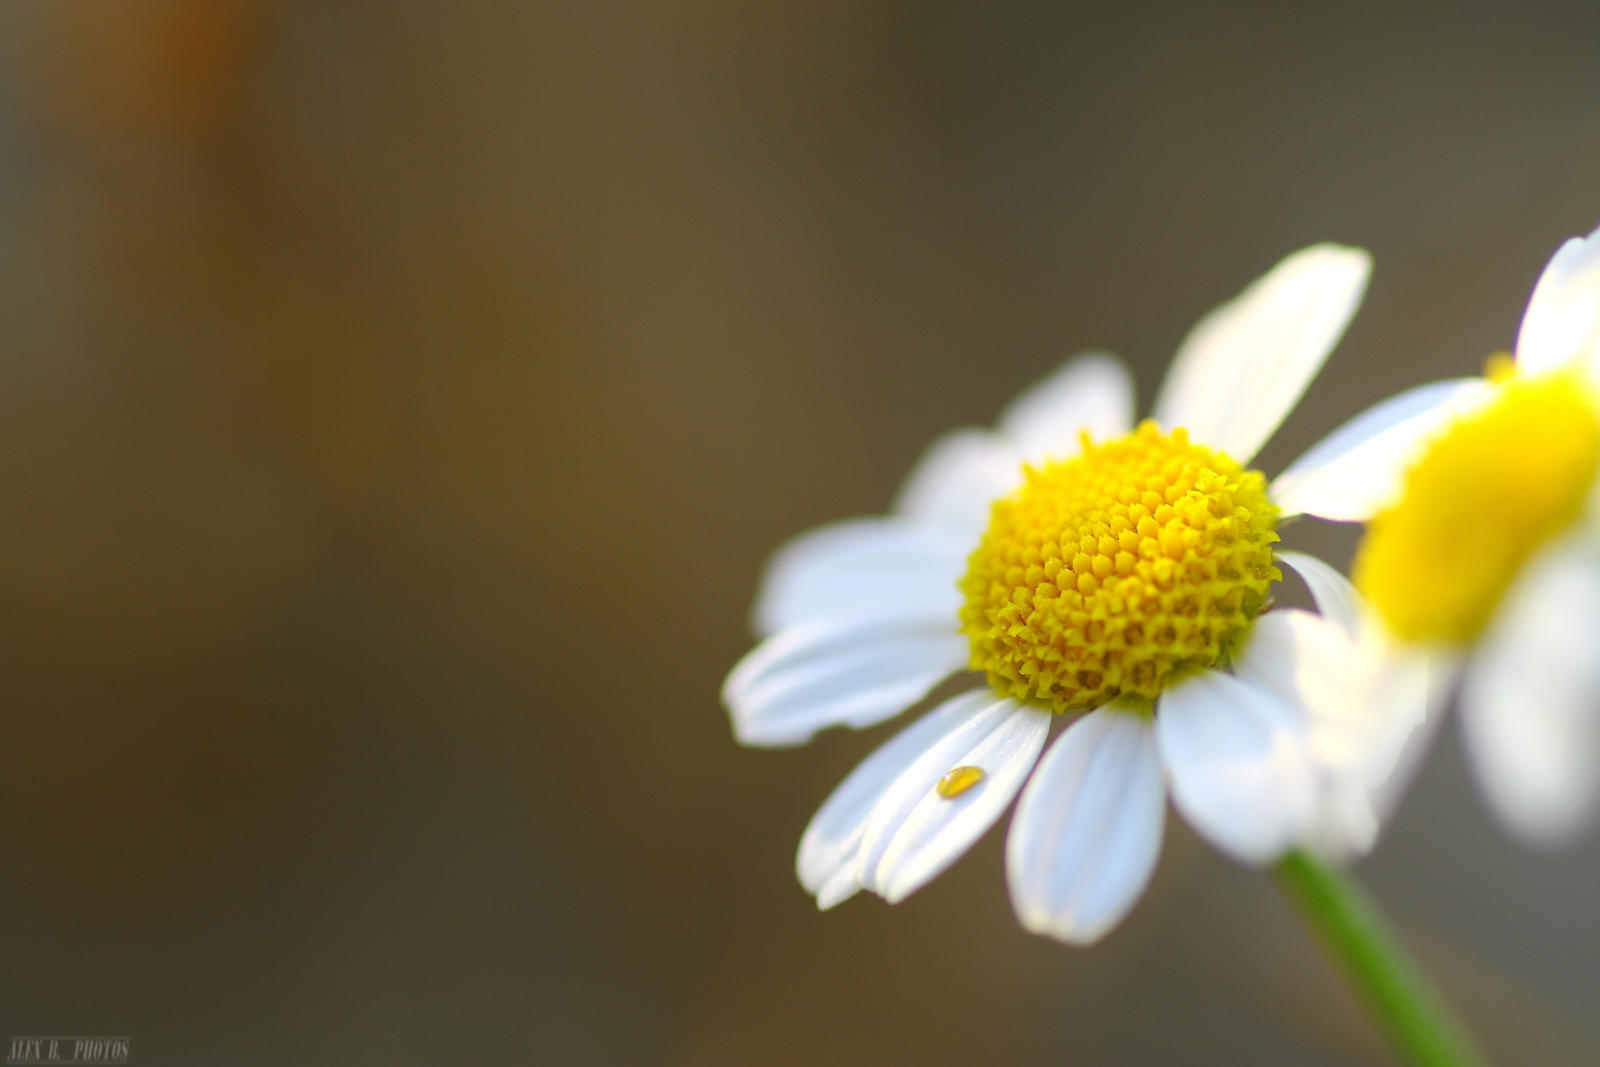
[(1489, 558), (1117, 574)]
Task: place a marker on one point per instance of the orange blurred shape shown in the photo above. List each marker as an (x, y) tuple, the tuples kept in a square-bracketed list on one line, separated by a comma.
[(159, 67)]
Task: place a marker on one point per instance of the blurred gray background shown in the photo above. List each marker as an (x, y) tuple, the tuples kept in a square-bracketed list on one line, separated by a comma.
[(398, 403)]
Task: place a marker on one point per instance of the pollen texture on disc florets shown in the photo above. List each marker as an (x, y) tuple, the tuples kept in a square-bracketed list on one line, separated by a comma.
[(1105, 572)]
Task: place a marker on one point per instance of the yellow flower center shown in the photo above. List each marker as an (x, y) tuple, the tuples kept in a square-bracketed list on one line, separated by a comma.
[(1104, 573), (1485, 495)]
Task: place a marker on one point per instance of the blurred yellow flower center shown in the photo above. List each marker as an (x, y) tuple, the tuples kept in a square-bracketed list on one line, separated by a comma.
[(1104, 573), (1485, 495)]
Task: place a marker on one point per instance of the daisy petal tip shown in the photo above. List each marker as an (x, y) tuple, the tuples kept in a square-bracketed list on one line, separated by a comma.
[(1067, 929), (1251, 851), (1562, 320), (812, 866), (1245, 364), (900, 889), (1544, 832), (1350, 263), (752, 731), (838, 889), (1340, 272), (1088, 829)]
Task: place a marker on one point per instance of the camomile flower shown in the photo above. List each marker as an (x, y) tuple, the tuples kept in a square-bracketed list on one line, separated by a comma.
[(1114, 576), (1489, 559)]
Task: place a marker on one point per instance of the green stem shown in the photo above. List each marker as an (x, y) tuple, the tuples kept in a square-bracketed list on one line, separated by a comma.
[(1416, 1020)]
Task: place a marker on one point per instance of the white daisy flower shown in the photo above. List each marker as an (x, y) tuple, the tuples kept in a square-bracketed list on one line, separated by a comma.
[(1114, 573), (1489, 559)]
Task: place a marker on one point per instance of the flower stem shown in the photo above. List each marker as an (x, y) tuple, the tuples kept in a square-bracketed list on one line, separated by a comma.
[(1416, 1020)]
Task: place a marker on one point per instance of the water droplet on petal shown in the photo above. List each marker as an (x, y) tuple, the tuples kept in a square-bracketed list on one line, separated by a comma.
[(958, 781)]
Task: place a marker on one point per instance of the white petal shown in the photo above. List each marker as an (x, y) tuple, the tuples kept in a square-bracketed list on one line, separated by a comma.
[(863, 565), (1308, 662), (1243, 367), (827, 860), (1359, 468), (1087, 832), (838, 888), (1363, 711), (1236, 758), (958, 478), (1406, 680), (1380, 703), (1088, 392), (915, 833), (852, 672), (1562, 322), (1530, 702), (1336, 598), (1355, 708)]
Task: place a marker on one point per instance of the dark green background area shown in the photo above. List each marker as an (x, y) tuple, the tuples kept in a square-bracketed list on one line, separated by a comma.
[(398, 402)]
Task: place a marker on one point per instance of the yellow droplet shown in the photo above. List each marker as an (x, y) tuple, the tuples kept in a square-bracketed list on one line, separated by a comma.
[(959, 780)]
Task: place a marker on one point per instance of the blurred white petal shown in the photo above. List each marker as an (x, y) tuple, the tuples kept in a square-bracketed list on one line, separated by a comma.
[(840, 887), (863, 565), (1088, 392), (1562, 322), (1360, 467), (957, 480), (1245, 365), (1310, 663), (1236, 757), (1335, 597), (1356, 711), (1530, 701), (1408, 684), (1087, 832), (848, 672)]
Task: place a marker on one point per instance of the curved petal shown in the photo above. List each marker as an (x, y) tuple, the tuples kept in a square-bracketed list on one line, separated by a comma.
[(1355, 707), (852, 672), (1310, 663), (1530, 702), (1359, 468), (915, 832), (1410, 686), (1088, 392), (1243, 367), (863, 565), (1087, 832), (1386, 700), (958, 478), (827, 860), (1363, 709), (1336, 598), (838, 888), (1236, 757), (1562, 322)]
